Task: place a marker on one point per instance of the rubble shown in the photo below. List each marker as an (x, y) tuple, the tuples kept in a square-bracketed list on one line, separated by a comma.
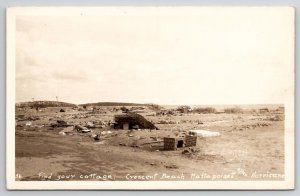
[(251, 126), (186, 151), (62, 133), (167, 122), (102, 142), (173, 166), (33, 118), (30, 118), (276, 118), (96, 137), (60, 123), (154, 138), (189, 150), (68, 129), (28, 123), (81, 129), (90, 125), (204, 133), (200, 122), (105, 132), (37, 126)]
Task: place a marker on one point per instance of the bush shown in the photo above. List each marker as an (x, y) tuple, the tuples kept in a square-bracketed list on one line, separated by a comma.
[(233, 110), (205, 110), (154, 107), (124, 109), (184, 109), (277, 118)]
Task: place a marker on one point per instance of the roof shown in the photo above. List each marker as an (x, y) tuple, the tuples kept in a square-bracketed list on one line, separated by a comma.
[(134, 118)]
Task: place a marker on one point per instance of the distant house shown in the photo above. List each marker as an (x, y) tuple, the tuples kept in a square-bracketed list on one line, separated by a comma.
[(132, 121)]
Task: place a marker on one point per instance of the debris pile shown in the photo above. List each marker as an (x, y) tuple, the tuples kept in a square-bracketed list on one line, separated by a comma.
[(60, 123), (68, 131), (30, 118), (166, 122), (28, 123), (251, 126), (276, 118), (189, 150), (204, 133), (81, 129)]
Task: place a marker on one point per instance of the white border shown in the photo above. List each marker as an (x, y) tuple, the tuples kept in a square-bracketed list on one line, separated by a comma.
[(288, 183)]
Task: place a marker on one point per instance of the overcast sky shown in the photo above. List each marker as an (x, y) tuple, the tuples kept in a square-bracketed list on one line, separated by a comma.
[(156, 55)]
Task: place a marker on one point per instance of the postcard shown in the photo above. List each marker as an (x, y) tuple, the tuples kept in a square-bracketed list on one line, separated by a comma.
[(150, 98)]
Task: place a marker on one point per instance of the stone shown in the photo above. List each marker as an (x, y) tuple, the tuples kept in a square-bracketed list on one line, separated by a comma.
[(90, 125), (62, 133), (28, 123)]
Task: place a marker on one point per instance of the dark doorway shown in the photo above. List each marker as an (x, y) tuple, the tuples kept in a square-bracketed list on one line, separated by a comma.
[(180, 144)]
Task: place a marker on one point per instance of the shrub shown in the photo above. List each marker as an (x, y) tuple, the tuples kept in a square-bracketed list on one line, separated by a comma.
[(184, 109), (154, 107), (124, 109), (205, 110), (233, 110), (277, 118)]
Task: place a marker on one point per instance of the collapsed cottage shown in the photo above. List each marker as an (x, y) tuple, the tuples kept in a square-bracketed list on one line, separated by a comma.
[(132, 121)]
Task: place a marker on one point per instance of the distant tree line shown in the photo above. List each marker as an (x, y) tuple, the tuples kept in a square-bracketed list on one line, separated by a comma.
[(233, 110), (44, 104), (205, 110), (112, 104)]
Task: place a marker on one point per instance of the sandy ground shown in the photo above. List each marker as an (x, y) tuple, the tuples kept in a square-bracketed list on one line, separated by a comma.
[(250, 147)]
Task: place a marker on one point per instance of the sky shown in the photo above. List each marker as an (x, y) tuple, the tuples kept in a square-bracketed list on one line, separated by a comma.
[(156, 55)]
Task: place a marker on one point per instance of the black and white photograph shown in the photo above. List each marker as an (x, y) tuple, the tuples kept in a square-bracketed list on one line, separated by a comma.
[(180, 97)]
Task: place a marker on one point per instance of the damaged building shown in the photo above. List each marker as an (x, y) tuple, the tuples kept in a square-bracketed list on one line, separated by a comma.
[(173, 143), (132, 121)]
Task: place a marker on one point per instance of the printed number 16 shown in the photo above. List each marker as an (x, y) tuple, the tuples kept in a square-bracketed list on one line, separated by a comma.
[(18, 176)]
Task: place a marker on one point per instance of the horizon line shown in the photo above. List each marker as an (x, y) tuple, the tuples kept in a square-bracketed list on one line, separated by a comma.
[(151, 103)]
